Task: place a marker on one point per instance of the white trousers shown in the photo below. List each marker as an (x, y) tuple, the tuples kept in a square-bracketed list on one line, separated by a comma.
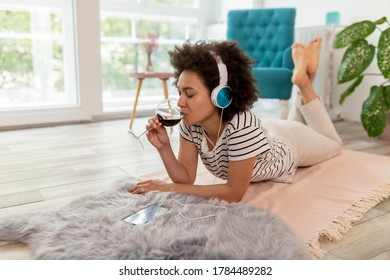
[(308, 132)]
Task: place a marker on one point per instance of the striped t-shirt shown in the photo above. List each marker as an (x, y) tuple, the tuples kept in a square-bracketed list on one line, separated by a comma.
[(243, 138)]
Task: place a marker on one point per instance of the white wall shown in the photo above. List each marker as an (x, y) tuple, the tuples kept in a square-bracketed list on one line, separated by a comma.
[(226, 5), (216, 28)]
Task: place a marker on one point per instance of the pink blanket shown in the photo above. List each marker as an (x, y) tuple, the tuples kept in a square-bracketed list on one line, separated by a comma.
[(324, 200)]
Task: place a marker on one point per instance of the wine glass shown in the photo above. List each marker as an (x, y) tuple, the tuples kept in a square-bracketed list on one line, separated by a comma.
[(167, 112)]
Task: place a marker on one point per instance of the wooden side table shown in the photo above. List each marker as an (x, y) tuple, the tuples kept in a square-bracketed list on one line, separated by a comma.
[(163, 76)]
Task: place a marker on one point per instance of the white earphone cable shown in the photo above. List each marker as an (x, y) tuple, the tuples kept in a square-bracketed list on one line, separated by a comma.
[(208, 139), (198, 218)]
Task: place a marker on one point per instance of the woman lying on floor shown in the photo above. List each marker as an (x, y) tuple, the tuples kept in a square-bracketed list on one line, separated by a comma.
[(232, 142)]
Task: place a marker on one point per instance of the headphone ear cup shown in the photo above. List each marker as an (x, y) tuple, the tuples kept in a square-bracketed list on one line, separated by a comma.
[(221, 96)]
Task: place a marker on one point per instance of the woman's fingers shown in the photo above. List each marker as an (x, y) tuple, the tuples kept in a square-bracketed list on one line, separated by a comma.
[(140, 188), (154, 122)]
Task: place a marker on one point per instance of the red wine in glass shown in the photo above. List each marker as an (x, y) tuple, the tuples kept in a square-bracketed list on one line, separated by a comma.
[(169, 120)]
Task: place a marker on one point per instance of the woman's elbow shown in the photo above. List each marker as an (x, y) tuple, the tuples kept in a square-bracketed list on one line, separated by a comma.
[(236, 199), (235, 196), (187, 180)]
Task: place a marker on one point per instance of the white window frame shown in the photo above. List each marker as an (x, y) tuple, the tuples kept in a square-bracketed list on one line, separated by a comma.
[(134, 11), (83, 56), (85, 16)]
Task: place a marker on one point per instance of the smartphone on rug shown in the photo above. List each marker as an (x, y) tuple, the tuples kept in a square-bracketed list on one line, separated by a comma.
[(145, 215)]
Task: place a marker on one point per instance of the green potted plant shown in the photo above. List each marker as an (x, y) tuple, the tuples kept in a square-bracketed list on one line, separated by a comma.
[(355, 61)]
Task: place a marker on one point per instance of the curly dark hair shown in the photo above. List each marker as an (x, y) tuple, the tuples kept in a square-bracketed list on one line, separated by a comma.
[(197, 57)]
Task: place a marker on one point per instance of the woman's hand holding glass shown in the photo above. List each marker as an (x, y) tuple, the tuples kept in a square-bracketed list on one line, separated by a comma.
[(157, 133), (167, 114)]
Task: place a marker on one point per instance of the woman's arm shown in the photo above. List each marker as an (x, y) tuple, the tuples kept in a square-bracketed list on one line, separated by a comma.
[(183, 169), (240, 173)]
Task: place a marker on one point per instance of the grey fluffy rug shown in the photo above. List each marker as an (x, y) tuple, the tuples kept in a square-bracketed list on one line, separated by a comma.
[(91, 227)]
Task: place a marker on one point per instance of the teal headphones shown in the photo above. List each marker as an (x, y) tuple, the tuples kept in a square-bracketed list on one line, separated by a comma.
[(221, 96)]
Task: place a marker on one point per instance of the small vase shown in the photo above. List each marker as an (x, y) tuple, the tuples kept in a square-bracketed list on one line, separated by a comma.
[(149, 65)]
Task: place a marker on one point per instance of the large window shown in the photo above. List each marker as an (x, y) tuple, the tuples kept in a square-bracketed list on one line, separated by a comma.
[(70, 60), (123, 26), (36, 55)]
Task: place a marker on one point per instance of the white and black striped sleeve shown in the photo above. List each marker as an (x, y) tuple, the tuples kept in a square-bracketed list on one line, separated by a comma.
[(246, 138), (185, 132)]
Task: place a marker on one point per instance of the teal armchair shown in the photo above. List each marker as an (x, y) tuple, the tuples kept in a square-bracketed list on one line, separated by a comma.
[(267, 35)]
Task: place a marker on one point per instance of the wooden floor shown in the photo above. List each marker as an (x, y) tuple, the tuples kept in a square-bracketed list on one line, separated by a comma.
[(44, 167)]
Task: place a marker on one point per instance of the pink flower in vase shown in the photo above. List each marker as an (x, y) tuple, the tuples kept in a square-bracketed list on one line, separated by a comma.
[(150, 45)]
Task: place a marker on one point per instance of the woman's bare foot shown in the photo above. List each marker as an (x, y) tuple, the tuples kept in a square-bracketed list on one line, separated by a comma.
[(300, 76), (305, 57), (312, 65)]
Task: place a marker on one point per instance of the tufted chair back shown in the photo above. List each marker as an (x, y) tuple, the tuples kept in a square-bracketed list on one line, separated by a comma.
[(263, 33), (266, 35)]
